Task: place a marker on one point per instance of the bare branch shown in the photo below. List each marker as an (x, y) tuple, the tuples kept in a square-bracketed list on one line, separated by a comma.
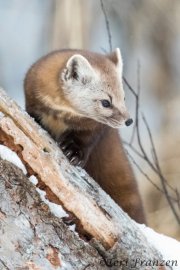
[(107, 25), (161, 177), (146, 176), (129, 87), (138, 87), (133, 149)]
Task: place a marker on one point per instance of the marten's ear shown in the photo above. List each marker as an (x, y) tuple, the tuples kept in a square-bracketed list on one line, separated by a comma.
[(116, 58), (78, 68)]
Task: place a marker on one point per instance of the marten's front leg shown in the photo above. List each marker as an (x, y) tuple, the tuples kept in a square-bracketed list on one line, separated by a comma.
[(77, 145), (74, 149)]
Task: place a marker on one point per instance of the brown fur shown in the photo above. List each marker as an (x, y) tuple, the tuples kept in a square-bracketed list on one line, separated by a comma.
[(105, 159)]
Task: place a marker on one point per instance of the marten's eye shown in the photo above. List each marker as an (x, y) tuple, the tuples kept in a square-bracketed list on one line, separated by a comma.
[(106, 103)]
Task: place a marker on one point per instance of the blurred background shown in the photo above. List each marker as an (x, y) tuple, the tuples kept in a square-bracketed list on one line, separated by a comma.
[(147, 32)]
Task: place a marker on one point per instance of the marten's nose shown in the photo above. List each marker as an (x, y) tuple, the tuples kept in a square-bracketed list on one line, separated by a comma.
[(129, 122)]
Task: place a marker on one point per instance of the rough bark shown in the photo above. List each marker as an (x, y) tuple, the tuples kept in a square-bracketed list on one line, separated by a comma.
[(31, 235)]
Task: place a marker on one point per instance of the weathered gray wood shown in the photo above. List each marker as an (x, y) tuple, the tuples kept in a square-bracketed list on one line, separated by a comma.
[(31, 235)]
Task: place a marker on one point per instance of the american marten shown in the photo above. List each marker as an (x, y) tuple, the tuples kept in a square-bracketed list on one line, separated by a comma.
[(78, 97)]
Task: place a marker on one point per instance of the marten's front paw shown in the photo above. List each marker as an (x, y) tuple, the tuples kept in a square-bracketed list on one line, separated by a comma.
[(73, 152)]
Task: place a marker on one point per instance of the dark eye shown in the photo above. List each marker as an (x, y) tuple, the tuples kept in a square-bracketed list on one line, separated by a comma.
[(106, 103)]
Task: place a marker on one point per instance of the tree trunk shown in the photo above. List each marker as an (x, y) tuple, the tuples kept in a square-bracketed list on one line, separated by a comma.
[(31, 237)]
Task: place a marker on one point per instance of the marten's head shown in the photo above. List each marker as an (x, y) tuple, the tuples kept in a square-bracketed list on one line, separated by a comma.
[(92, 85)]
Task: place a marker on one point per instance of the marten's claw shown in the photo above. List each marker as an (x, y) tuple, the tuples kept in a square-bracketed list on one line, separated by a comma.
[(76, 158), (72, 151)]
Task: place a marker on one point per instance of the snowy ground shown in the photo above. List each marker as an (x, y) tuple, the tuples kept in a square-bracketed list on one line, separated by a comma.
[(169, 247)]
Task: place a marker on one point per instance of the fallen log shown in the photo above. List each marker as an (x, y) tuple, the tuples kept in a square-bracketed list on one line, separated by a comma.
[(104, 235)]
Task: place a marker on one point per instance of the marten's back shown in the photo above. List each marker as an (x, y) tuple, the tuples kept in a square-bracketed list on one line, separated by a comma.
[(43, 76)]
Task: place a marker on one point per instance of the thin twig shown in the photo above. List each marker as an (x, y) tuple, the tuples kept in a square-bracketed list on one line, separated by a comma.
[(146, 176), (107, 25), (142, 157), (133, 149), (154, 152), (142, 172), (129, 87), (163, 182), (138, 87)]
